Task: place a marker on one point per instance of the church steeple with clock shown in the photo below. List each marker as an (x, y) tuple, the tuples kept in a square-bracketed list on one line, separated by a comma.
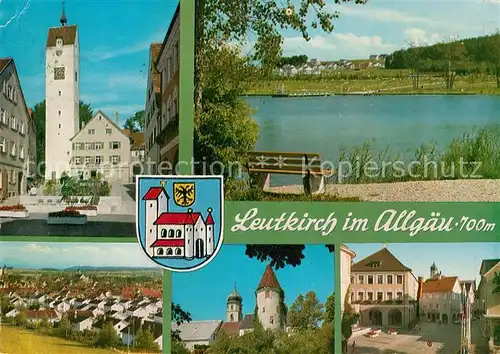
[(62, 97)]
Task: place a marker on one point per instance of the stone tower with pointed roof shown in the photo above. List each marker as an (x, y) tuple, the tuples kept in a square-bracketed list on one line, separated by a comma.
[(234, 309), (434, 270), (62, 97), (269, 297)]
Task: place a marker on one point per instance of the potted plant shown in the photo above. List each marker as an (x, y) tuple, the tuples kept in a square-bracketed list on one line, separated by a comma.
[(66, 217), (377, 330), (89, 210), (392, 331), (13, 211), (371, 334)]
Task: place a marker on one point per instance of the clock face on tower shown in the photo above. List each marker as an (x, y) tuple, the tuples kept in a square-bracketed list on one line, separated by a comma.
[(58, 73)]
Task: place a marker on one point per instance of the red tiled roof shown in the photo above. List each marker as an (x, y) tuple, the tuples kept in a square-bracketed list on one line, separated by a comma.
[(168, 243), (153, 193), (442, 285), (231, 328), (210, 220), (41, 314), (177, 219), (269, 279)]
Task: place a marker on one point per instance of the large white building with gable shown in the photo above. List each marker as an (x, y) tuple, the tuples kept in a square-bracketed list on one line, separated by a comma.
[(62, 97)]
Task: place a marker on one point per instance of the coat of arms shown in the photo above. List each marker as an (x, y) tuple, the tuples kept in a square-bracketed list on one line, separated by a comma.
[(180, 219)]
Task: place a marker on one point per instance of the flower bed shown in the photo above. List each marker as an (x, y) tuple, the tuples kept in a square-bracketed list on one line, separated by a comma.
[(377, 330), (88, 210), (66, 217), (13, 211), (392, 331), (372, 334)]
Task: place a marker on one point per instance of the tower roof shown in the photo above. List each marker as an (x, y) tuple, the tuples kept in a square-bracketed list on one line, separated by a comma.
[(433, 266), (269, 279), (234, 295), (381, 261), (64, 20), (67, 33)]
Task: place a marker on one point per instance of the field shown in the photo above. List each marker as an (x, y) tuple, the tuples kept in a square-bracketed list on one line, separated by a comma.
[(20, 341), (386, 80)]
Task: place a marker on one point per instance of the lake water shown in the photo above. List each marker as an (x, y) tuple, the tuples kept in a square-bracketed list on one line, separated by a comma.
[(325, 125)]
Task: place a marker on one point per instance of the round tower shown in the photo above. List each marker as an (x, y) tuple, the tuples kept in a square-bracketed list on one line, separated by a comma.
[(269, 299), (234, 309)]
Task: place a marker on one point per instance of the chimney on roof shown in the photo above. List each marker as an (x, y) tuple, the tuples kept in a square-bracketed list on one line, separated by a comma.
[(116, 118)]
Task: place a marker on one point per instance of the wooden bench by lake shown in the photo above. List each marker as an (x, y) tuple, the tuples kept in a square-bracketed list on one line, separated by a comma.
[(262, 164)]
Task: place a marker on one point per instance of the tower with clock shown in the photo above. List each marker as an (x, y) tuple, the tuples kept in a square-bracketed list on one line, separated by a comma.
[(62, 120)]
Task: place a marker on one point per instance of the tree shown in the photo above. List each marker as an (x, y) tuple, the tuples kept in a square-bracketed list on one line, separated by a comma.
[(179, 316), (413, 58), (21, 319), (330, 309), (179, 348), (145, 340), (35, 305), (5, 305), (231, 21), (453, 50), (492, 54), (108, 337), (279, 255), (349, 318), (136, 122), (86, 113), (306, 312), (64, 327)]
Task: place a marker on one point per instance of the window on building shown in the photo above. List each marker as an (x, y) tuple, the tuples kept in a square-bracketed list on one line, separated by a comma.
[(389, 279), (59, 73), (59, 93), (361, 279), (115, 159), (263, 309), (13, 150), (13, 123), (59, 126), (399, 279), (76, 77), (108, 131), (88, 159), (380, 296), (178, 251), (3, 115), (115, 145), (163, 232), (399, 295), (380, 279), (389, 296), (78, 160), (87, 146), (3, 148), (98, 160), (91, 131), (370, 279), (21, 153), (370, 296), (360, 296), (170, 233), (178, 234)]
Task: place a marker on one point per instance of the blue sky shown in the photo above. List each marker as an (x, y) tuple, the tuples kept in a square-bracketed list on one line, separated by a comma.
[(453, 259), (204, 292), (114, 47), (384, 26), (64, 254)]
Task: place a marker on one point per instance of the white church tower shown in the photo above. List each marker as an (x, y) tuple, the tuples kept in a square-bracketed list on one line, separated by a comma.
[(270, 296), (234, 307), (156, 204), (62, 97)]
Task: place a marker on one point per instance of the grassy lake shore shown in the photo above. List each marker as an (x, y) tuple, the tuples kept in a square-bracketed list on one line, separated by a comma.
[(380, 86)]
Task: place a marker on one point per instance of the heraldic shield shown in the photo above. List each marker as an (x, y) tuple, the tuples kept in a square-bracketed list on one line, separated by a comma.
[(180, 219)]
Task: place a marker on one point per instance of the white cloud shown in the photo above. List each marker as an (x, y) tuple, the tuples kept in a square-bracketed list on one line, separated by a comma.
[(336, 46), (421, 37), (16, 15), (385, 15), (105, 52), (62, 255)]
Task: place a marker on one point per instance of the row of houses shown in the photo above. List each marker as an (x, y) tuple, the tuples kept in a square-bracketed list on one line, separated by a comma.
[(386, 293), (129, 309), (316, 67), (161, 133), (17, 133)]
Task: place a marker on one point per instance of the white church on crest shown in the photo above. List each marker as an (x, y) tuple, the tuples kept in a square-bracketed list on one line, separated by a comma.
[(173, 234)]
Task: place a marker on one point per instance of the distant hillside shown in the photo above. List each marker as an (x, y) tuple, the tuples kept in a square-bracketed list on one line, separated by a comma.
[(101, 269), (468, 55)]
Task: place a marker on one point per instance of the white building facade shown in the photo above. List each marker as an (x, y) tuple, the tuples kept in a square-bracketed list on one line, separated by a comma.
[(61, 97), (346, 259)]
